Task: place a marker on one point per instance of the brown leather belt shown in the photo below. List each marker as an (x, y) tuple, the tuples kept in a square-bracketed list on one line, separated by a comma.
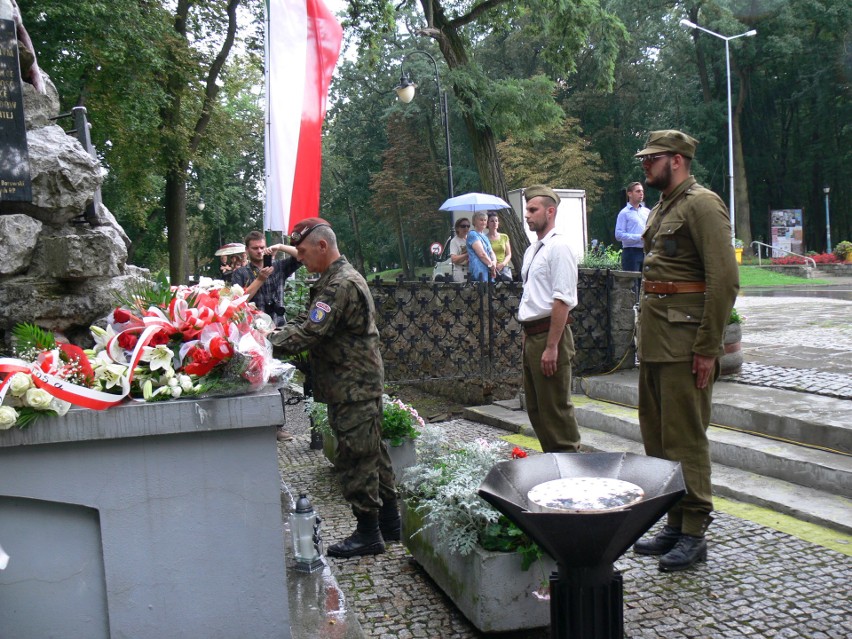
[(536, 327), (671, 288)]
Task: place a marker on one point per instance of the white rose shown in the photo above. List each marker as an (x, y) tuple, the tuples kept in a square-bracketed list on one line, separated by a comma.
[(176, 391), (8, 417), (185, 383), (59, 406), (38, 399), (20, 384), (237, 290)]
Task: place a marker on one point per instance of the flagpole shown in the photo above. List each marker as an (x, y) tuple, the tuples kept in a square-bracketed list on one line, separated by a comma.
[(266, 123)]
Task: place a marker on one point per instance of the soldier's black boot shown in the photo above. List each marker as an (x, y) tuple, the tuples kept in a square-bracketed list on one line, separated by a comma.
[(390, 523), (659, 544), (366, 540), (687, 552)]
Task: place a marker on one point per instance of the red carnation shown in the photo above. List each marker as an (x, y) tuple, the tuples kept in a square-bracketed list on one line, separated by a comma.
[(158, 338), (518, 453), (198, 368), (121, 316)]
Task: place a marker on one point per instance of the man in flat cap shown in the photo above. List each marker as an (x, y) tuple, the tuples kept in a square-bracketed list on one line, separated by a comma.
[(339, 332), (549, 274), (690, 283)]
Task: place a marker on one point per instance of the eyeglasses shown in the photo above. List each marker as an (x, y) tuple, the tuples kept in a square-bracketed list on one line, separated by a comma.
[(650, 159), (464, 226)]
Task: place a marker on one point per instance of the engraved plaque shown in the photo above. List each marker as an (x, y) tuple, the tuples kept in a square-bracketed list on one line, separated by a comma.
[(14, 160)]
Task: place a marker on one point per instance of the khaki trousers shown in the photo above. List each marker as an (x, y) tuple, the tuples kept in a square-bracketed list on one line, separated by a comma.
[(673, 417), (548, 399)]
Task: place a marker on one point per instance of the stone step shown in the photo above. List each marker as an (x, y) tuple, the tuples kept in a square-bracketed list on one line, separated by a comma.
[(804, 418), (612, 428)]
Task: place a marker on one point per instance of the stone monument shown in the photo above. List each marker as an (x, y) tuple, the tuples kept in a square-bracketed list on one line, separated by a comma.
[(59, 266)]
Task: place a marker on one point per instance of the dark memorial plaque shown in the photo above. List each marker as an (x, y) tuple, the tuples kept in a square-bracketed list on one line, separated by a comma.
[(14, 160)]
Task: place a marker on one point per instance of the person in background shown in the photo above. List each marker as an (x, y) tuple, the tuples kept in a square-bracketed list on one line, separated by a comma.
[(458, 250), (264, 285), (549, 274), (339, 332), (690, 284), (502, 247), (629, 228), (482, 263)]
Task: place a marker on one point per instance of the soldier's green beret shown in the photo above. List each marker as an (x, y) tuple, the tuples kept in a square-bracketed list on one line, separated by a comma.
[(537, 190), (669, 141)]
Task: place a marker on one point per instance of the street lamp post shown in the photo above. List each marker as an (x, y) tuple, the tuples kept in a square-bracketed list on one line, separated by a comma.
[(405, 92), (826, 190), (691, 25)]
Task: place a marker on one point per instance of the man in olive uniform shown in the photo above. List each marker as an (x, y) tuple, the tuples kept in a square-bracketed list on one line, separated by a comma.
[(690, 283), (339, 331)]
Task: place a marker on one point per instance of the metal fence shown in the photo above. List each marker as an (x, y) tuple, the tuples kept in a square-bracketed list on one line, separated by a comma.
[(433, 331)]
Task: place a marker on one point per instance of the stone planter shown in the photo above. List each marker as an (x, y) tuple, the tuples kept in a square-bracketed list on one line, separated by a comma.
[(732, 360), (145, 521), (401, 456), (489, 588)]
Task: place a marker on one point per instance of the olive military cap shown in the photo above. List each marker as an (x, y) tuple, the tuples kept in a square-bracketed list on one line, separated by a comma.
[(669, 141), (304, 228), (537, 190)]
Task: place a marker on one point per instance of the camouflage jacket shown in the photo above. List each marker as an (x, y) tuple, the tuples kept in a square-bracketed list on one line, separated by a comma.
[(339, 332), (687, 239)]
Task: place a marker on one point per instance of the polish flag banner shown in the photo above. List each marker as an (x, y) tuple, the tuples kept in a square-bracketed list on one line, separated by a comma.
[(303, 42)]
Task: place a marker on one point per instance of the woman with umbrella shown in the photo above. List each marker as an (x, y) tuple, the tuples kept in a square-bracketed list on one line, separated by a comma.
[(482, 263)]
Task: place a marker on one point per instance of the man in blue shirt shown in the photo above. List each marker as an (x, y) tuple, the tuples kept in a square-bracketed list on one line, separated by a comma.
[(630, 226)]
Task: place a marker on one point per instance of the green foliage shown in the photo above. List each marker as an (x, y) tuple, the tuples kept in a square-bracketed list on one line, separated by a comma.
[(504, 536), (753, 276), (601, 257), (32, 338), (843, 250), (142, 294), (735, 317), (398, 419)]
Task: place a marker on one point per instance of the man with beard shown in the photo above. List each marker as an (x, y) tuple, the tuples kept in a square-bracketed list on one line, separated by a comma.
[(690, 283), (549, 274)]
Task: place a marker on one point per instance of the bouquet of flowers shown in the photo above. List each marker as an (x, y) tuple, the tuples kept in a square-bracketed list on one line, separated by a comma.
[(161, 342)]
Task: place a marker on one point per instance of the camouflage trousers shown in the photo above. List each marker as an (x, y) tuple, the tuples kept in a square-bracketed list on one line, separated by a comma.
[(362, 462)]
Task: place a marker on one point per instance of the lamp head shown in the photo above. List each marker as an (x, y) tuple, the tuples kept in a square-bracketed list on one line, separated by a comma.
[(689, 24), (753, 32), (201, 204), (405, 90), (826, 189)]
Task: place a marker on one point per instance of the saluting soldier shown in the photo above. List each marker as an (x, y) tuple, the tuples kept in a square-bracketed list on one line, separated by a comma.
[(339, 332), (690, 283)]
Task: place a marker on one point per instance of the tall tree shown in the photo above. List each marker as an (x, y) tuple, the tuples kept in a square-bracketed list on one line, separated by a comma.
[(455, 26)]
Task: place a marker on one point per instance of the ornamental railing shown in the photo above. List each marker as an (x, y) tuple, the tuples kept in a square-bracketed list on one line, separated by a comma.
[(433, 331)]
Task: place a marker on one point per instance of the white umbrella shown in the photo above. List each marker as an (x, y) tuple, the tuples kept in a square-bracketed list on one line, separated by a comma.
[(474, 202)]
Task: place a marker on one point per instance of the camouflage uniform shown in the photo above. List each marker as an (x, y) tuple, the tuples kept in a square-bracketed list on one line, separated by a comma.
[(687, 239), (339, 331)]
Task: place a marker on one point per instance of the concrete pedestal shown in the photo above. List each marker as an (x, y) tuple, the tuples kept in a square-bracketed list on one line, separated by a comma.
[(146, 520)]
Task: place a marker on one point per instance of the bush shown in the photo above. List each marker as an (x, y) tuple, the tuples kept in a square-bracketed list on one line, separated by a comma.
[(601, 257), (843, 251)]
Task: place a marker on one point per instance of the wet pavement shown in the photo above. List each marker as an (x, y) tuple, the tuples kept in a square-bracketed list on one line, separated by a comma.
[(758, 581)]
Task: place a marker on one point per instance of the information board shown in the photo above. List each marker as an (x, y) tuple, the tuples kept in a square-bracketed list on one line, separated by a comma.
[(14, 160), (786, 228)]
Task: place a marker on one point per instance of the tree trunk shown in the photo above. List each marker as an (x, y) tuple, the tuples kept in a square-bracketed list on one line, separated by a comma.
[(175, 205), (481, 135)]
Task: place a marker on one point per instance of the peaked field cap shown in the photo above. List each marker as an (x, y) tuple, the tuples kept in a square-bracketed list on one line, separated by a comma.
[(304, 228), (538, 190), (669, 141)]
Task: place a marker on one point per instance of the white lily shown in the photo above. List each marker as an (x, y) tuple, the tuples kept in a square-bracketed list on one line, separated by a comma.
[(101, 336), (158, 357)]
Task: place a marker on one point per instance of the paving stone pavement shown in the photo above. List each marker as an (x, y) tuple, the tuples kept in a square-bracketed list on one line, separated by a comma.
[(758, 582)]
